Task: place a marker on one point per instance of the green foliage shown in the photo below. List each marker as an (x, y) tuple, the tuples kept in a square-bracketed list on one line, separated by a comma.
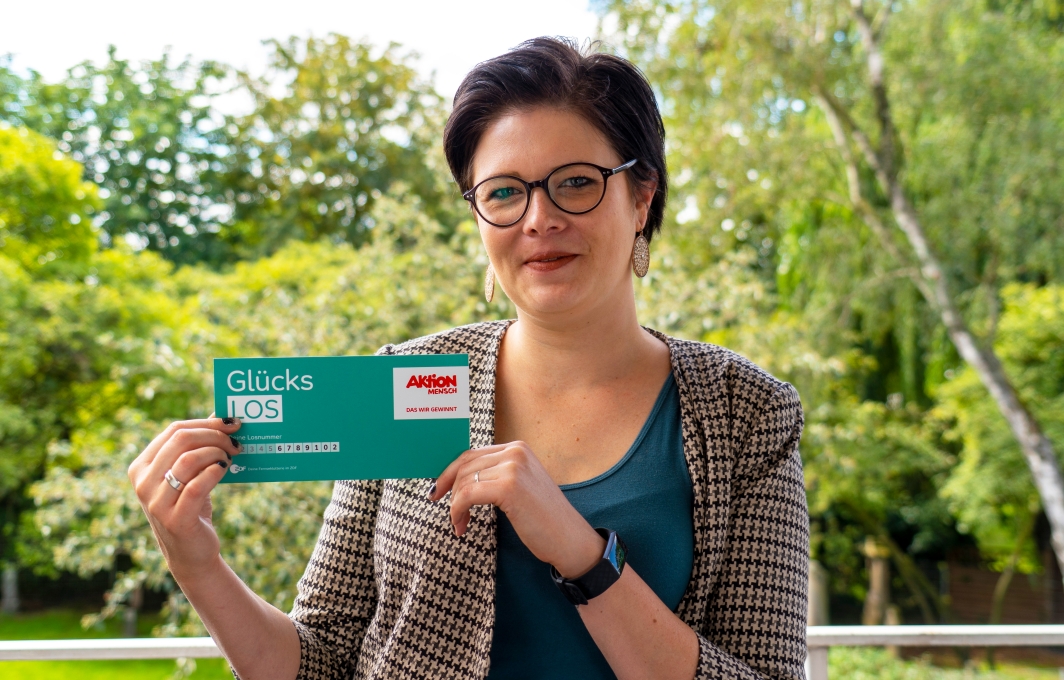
[(312, 162), (983, 161), (989, 490), (66, 625), (755, 166), (307, 299), (79, 351), (321, 222), (874, 460), (45, 208), (84, 333), (179, 177), (147, 136), (857, 663), (416, 277), (817, 295), (201, 669)]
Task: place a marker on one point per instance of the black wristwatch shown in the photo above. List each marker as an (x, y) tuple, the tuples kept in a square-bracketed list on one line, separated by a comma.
[(602, 575)]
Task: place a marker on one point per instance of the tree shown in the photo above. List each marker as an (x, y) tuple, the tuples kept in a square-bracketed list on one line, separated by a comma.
[(871, 468), (862, 191), (885, 163), (989, 493), (148, 137), (181, 177), (45, 231), (83, 333), (45, 207), (307, 299), (313, 161)]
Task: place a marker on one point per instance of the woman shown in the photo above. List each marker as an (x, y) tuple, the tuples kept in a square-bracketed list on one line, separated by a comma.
[(653, 482)]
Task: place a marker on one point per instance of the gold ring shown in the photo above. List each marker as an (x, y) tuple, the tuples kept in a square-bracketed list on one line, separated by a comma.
[(173, 481)]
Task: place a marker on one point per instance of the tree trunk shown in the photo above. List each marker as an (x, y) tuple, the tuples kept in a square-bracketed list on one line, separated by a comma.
[(818, 595), (1001, 588), (129, 616), (878, 598), (931, 280), (1036, 447), (893, 618), (932, 605), (9, 603)]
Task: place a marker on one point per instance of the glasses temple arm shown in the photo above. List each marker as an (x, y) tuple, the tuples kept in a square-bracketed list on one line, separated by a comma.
[(621, 168)]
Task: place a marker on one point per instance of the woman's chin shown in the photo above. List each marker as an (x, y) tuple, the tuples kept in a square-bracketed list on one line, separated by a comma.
[(556, 300)]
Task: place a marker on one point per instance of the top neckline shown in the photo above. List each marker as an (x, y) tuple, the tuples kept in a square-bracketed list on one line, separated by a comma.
[(635, 445)]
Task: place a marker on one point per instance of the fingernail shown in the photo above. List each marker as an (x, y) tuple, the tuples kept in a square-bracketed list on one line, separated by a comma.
[(223, 464), (238, 445), (432, 490), (229, 421)]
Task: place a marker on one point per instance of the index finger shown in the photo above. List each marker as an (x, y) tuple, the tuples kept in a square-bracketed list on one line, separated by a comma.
[(446, 479)]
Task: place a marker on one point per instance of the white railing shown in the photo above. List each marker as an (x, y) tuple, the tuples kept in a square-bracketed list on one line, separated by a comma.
[(819, 640), (121, 648)]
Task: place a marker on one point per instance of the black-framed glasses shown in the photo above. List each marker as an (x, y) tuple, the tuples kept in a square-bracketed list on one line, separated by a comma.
[(575, 188)]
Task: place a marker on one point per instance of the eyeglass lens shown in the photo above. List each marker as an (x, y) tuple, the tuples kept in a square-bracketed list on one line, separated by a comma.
[(574, 188)]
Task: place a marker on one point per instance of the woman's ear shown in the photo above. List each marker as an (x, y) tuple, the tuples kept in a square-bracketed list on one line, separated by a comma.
[(644, 196)]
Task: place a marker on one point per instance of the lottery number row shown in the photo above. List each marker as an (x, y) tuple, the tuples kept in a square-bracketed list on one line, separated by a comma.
[(300, 447)]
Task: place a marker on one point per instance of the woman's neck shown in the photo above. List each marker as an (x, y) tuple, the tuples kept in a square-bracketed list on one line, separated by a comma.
[(579, 351)]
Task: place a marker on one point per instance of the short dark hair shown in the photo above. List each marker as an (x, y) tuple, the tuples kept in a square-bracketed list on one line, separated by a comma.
[(607, 91)]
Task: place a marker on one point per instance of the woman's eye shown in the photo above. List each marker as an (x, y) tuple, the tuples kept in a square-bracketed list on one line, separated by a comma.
[(502, 193), (576, 182)]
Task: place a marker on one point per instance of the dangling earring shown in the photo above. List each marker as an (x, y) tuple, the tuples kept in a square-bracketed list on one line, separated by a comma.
[(641, 256), (489, 283)]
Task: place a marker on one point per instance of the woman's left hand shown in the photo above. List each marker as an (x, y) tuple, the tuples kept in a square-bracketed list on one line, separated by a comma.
[(513, 480)]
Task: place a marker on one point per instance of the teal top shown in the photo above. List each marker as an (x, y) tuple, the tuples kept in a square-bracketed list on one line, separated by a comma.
[(646, 498)]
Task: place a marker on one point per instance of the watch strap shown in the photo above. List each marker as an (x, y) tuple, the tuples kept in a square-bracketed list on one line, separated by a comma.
[(604, 574)]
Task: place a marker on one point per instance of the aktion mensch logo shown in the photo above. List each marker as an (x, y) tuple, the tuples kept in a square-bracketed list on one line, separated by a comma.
[(430, 392)]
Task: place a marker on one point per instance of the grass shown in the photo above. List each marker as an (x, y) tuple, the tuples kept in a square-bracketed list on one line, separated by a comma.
[(206, 669), (65, 625), (862, 663)]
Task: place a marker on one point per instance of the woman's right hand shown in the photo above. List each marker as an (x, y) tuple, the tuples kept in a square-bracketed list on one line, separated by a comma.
[(198, 453), (258, 639)]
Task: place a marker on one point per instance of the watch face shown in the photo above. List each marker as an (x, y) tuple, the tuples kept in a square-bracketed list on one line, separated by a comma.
[(616, 552), (622, 556)]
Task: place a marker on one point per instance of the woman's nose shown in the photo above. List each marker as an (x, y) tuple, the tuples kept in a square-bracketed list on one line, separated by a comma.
[(542, 214)]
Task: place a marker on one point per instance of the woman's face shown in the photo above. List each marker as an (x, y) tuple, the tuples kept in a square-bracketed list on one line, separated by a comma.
[(552, 262)]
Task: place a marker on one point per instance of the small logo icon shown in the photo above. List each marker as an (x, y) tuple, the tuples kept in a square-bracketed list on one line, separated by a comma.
[(236, 468)]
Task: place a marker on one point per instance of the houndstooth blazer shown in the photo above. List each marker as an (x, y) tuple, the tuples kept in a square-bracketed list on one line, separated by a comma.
[(390, 592)]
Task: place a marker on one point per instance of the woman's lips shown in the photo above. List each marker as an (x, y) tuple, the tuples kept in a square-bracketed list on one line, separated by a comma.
[(549, 264)]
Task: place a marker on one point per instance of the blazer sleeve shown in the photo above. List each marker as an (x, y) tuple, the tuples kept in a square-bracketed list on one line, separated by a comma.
[(337, 595), (756, 617)]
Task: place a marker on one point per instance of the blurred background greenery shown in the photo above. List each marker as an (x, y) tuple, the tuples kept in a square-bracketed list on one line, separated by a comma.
[(145, 229)]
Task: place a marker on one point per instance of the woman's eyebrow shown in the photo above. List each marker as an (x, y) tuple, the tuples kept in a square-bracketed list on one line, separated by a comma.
[(514, 173), (503, 173)]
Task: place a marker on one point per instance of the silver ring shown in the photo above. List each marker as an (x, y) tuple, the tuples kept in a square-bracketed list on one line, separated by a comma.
[(476, 477), (173, 481)]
